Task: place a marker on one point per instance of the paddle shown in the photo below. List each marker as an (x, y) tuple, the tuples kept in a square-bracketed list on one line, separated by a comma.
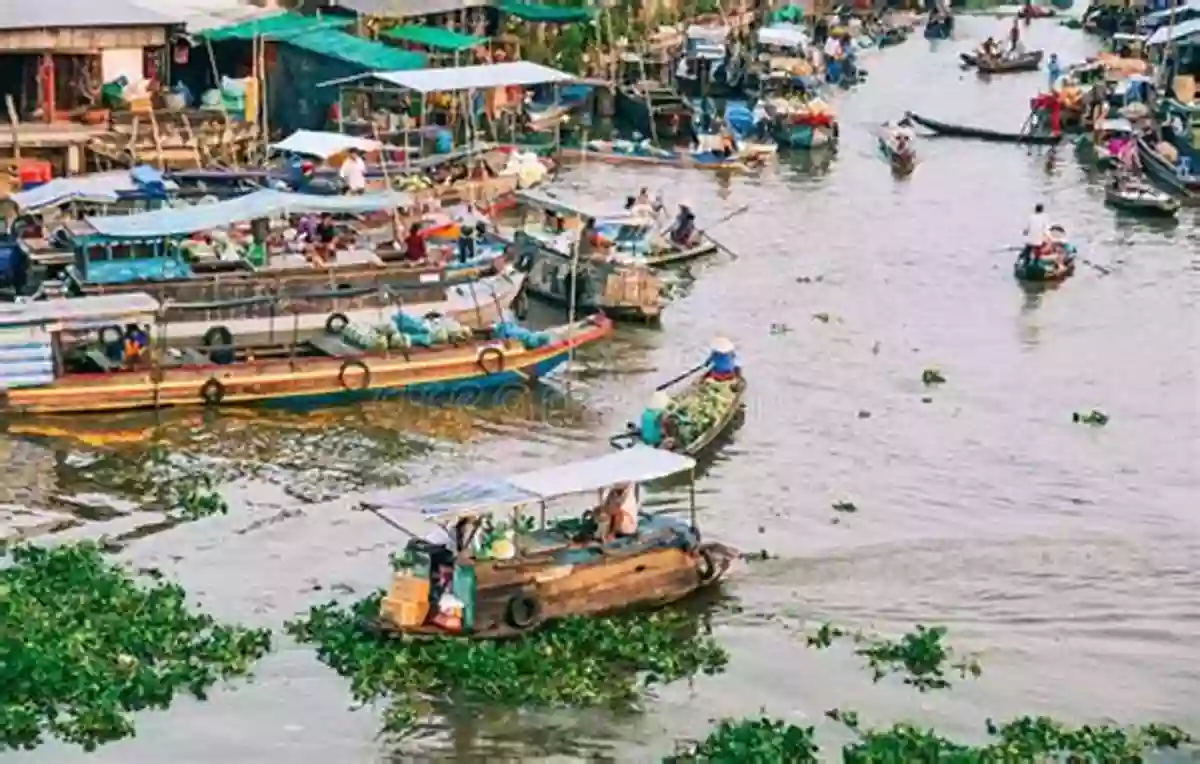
[(684, 375), (730, 216)]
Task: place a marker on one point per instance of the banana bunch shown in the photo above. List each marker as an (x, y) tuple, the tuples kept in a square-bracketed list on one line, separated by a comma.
[(414, 183), (700, 408)]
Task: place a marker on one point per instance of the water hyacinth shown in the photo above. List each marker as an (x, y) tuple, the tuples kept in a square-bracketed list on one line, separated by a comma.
[(83, 644), (761, 741), (573, 662)]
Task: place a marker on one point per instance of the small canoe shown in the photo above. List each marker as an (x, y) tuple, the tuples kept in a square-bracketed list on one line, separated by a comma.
[(1025, 62), (1043, 270), (1141, 200), (981, 133), (891, 36), (699, 414), (902, 161), (619, 153)]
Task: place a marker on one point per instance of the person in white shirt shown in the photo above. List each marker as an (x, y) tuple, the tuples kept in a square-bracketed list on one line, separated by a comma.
[(833, 48), (1035, 232), (354, 173)]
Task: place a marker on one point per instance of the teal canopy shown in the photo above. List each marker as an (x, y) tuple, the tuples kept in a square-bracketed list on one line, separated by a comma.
[(434, 37), (553, 14), (355, 50), (280, 26)]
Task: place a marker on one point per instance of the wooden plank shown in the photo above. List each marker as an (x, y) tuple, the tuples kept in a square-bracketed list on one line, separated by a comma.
[(15, 122)]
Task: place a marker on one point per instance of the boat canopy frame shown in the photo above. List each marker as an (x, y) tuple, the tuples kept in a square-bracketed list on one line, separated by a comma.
[(475, 496)]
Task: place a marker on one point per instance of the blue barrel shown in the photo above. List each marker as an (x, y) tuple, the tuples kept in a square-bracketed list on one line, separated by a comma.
[(443, 142)]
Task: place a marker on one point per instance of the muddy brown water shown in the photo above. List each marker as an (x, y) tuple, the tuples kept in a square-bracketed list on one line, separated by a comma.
[(1067, 556)]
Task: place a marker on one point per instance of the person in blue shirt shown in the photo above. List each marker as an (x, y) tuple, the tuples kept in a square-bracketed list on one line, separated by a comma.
[(722, 360), (651, 426), (1053, 70)]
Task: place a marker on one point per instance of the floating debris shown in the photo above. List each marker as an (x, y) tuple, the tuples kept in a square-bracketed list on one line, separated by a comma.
[(809, 279), (920, 655), (932, 377), (822, 317), (864, 414), (1093, 417), (845, 506), (780, 328)]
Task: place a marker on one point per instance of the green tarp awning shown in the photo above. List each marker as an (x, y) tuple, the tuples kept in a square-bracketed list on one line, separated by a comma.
[(355, 50), (280, 26), (554, 14), (434, 37)]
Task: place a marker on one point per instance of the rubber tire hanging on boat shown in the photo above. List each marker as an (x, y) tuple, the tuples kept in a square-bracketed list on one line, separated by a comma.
[(366, 375), (524, 263), (707, 569), (523, 611), (111, 328), (336, 323), (212, 392), (486, 353), (219, 342), (520, 304)]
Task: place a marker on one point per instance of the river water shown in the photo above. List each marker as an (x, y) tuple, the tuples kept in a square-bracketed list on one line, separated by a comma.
[(1066, 556)]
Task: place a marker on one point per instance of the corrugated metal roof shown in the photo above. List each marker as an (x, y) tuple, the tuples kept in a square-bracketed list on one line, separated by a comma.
[(478, 77), (60, 14), (200, 15)]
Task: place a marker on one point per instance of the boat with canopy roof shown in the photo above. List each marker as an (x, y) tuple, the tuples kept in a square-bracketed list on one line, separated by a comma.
[(493, 571), (113, 353)]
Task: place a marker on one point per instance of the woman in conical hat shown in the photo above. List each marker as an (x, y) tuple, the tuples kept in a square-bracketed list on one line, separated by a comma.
[(722, 360)]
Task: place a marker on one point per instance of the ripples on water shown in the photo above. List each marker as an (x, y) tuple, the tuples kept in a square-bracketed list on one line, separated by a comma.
[(1066, 555)]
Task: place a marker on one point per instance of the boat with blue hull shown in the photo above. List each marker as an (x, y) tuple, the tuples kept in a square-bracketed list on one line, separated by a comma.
[(72, 357), (940, 29)]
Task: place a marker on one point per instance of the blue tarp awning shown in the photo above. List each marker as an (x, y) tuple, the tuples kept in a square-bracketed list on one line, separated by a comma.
[(99, 188), (479, 495), (259, 204)]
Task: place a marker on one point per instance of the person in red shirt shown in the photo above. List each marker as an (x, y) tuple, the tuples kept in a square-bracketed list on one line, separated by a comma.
[(414, 245)]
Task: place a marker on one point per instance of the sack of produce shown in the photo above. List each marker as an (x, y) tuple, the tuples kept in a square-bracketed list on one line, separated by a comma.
[(409, 324), (363, 337)]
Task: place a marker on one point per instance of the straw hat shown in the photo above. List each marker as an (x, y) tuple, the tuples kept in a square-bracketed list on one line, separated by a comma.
[(660, 400), (721, 345)]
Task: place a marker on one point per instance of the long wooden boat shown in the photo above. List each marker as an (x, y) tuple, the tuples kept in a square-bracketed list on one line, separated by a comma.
[(1139, 199), (1163, 173), (980, 133), (48, 369), (514, 580), (1029, 61), (610, 152), (697, 415)]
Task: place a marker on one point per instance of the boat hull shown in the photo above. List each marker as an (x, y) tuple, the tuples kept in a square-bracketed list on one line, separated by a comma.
[(1162, 207), (1161, 171), (979, 133), (1028, 62), (305, 381), (804, 136), (682, 160), (1042, 271)]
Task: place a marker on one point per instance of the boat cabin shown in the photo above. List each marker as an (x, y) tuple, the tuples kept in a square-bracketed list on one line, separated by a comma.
[(508, 557), (40, 340)]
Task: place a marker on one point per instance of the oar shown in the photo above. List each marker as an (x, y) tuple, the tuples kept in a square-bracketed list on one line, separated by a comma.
[(684, 375), (705, 233)]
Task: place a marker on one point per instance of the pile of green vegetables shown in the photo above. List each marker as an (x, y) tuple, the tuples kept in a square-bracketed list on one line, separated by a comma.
[(83, 644), (695, 412), (574, 662), (1027, 739)]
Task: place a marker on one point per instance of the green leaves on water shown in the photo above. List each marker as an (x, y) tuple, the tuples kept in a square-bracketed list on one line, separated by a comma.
[(920, 655), (197, 499), (762, 741), (574, 662), (83, 644), (1023, 740)]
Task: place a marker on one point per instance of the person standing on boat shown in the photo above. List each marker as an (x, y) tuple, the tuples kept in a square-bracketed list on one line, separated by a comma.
[(1053, 70), (722, 361), (1014, 37), (354, 173), (1036, 233)]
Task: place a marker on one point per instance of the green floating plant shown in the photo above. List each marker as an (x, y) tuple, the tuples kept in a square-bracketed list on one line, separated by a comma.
[(196, 499), (761, 741), (83, 644), (920, 655), (574, 662)]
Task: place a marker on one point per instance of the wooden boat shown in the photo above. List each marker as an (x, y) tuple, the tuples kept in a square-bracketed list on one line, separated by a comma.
[(980, 133), (1184, 186), (521, 576), (901, 158), (52, 363), (1047, 269), (1095, 145), (1140, 199), (640, 104), (627, 153), (801, 123), (940, 29), (891, 36), (1029, 61), (719, 404)]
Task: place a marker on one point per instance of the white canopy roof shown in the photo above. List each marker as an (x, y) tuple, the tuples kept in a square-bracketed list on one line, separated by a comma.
[(1166, 34), (783, 36), (321, 144), (638, 464), (76, 312), (479, 77)]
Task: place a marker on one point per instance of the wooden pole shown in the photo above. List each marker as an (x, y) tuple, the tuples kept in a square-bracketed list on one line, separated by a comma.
[(14, 123)]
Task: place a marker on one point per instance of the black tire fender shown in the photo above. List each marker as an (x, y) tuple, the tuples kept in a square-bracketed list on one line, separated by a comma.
[(354, 364), (212, 392), (336, 323), (495, 366), (706, 566), (219, 342), (523, 611), (520, 304)]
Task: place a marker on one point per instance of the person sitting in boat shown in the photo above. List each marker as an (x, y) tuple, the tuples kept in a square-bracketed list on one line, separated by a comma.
[(990, 49), (651, 425), (135, 342), (683, 230), (722, 361), (617, 516), (414, 244)]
